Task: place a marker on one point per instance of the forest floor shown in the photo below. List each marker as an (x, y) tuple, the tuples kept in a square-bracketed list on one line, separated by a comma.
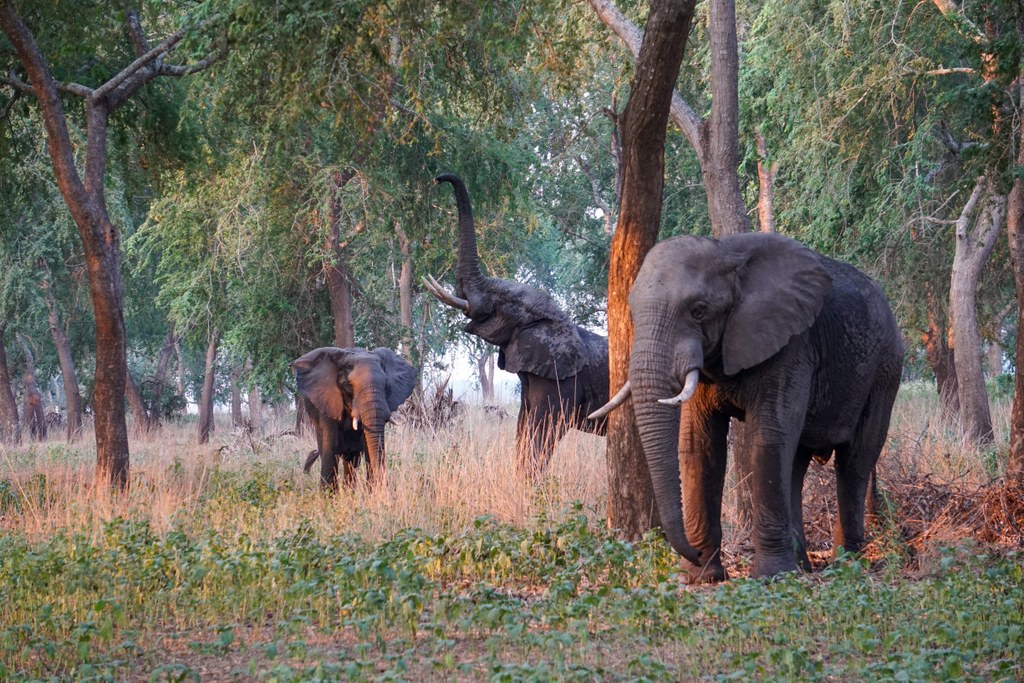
[(224, 562)]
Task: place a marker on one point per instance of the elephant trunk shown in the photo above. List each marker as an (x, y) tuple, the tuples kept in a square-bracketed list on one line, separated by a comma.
[(371, 409), (653, 376), (468, 271)]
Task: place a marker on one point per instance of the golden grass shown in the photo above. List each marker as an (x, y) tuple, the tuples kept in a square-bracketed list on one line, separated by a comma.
[(438, 480)]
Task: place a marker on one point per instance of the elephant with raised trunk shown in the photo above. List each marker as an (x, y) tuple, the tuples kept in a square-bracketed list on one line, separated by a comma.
[(563, 368), (803, 348), (349, 395)]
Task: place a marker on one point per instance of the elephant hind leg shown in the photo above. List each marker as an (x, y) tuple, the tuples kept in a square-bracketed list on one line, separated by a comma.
[(796, 501), (855, 468)]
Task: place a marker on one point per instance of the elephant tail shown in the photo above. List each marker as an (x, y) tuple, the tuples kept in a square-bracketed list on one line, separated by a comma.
[(310, 459)]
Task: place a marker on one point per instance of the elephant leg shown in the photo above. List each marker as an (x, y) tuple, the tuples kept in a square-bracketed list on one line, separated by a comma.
[(703, 437), (543, 420), (329, 469), (350, 463), (796, 506), (855, 468)]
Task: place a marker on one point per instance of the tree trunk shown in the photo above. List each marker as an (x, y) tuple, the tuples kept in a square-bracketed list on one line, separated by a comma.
[(631, 506), (179, 375), (255, 409), (137, 404), (67, 363), (206, 401), (1015, 236), (766, 173), (10, 428), (35, 417), (485, 372), (405, 294), (156, 403), (973, 248), (236, 395), (994, 351), (339, 279), (300, 415), (940, 357)]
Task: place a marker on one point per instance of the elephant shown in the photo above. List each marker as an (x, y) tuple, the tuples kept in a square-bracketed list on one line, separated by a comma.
[(349, 394), (562, 367), (803, 348)]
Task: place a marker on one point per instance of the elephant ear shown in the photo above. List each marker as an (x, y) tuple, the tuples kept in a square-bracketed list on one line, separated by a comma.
[(400, 377), (316, 375), (549, 348), (782, 286)]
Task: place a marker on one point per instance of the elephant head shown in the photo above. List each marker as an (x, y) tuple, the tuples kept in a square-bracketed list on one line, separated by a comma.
[(705, 310), (533, 334), (354, 392)]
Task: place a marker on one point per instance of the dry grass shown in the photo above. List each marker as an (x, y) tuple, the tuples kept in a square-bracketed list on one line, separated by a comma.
[(440, 479)]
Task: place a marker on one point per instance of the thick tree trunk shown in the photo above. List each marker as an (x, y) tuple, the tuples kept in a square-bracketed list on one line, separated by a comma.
[(631, 505), (973, 248), (206, 401), (35, 417), (72, 393), (10, 428)]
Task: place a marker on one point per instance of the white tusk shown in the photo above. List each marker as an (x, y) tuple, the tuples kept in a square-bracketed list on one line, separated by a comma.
[(443, 295), (691, 386), (355, 423), (617, 400)]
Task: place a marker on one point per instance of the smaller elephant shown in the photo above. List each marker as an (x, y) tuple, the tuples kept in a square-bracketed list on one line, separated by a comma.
[(349, 395)]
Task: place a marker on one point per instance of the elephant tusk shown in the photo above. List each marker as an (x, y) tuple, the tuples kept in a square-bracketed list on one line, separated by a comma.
[(355, 423), (617, 400), (688, 388), (443, 295)]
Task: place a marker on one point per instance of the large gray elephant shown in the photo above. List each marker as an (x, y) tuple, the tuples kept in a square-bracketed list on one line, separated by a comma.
[(563, 368), (805, 349), (349, 395)]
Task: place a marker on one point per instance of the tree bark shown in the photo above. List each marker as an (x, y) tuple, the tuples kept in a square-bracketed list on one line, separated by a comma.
[(994, 351), (973, 248), (206, 401), (485, 373), (137, 404), (67, 363), (35, 417), (940, 357), (339, 279), (160, 378), (236, 395), (10, 428), (631, 506), (766, 173), (405, 294), (1015, 236), (255, 409)]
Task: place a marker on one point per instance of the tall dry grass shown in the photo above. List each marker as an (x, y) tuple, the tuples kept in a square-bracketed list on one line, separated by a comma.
[(438, 479)]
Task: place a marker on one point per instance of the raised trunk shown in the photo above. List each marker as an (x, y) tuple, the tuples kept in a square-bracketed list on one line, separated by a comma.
[(10, 429), (468, 270), (206, 402), (72, 393)]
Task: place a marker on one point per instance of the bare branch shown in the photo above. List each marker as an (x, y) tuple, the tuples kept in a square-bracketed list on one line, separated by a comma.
[(946, 71), (10, 104), (609, 221)]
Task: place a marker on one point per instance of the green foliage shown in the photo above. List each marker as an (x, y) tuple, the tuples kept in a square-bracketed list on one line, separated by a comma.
[(558, 599)]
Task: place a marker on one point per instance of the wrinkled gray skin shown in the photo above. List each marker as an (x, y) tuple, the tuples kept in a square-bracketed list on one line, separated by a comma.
[(563, 368), (803, 348), (342, 385)]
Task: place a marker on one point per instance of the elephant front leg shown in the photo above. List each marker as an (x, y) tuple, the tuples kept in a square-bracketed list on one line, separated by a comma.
[(796, 512), (775, 542), (702, 455)]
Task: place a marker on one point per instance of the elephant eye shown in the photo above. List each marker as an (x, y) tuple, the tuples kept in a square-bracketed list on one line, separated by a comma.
[(698, 312)]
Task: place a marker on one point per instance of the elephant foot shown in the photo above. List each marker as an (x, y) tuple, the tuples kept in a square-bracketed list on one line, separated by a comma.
[(712, 572), (771, 566)]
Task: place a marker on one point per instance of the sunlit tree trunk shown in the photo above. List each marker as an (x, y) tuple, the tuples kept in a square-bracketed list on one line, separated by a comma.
[(405, 294), (10, 429), (339, 278), (631, 506), (206, 401), (767, 170)]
